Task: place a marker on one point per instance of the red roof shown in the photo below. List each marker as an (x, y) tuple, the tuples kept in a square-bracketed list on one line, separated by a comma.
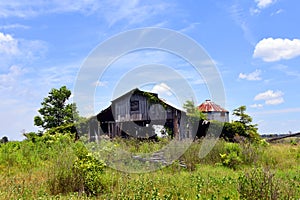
[(209, 106)]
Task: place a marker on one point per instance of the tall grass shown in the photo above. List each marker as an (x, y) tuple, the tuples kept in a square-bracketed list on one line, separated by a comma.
[(58, 168)]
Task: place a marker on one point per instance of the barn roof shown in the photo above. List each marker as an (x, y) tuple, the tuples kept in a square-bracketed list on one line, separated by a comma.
[(138, 91), (134, 91), (209, 106)]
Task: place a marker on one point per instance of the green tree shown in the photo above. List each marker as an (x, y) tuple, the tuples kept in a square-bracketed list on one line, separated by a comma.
[(195, 118), (4, 139), (250, 130), (244, 118), (231, 129), (193, 111), (56, 110)]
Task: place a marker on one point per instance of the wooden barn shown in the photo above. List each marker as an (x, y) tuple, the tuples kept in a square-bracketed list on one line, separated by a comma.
[(134, 114)]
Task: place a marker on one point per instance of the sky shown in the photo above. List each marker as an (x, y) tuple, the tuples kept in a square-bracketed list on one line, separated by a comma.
[(254, 44)]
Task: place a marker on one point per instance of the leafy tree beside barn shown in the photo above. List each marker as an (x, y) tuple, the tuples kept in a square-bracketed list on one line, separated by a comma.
[(55, 110), (57, 114)]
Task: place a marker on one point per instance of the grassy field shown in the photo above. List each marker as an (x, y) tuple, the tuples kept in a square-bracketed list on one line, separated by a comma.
[(56, 167)]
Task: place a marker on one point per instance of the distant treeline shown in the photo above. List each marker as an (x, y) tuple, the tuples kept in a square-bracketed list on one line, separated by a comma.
[(280, 135)]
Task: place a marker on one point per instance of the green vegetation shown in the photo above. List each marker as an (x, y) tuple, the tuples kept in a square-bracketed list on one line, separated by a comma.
[(193, 111), (4, 139), (56, 167), (53, 165), (55, 110), (240, 129)]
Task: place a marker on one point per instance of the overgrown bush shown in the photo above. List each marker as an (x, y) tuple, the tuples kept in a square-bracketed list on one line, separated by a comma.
[(56, 167), (75, 170), (259, 184), (232, 156), (89, 169), (191, 156), (252, 152)]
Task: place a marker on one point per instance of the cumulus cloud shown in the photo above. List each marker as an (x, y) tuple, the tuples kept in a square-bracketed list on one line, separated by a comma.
[(269, 94), (270, 97), (162, 89), (263, 3), (16, 49), (271, 50), (253, 76), (260, 5), (8, 45)]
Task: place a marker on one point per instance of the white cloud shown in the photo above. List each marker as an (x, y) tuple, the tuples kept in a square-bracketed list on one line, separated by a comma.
[(277, 12), (133, 11), (8, 80), (264, 3), (57, 75), (286, 70), (8, 45), (260, 5), (254, 11), (162, 89), (256, 105), (269, 94), (239, 16), (27, 8), (199, 81), (270, 97), (271, 50), (189, 27), (14, 50), (275, 101), (14, 26), (100, 83), (23, 88), (253, 76)]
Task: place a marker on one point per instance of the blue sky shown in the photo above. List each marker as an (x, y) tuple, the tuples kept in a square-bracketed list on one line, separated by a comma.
[(255, 45)]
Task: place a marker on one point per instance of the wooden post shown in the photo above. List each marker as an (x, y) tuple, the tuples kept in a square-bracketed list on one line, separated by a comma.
[(109, 129), (89, 131), (175, 125)]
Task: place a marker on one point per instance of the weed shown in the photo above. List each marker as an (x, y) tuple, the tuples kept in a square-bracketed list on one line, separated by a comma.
[(231, 158), (259, 184)]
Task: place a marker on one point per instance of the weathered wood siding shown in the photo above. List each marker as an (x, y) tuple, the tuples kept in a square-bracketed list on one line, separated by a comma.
[(136, 107), (142, 108), (125, 108)]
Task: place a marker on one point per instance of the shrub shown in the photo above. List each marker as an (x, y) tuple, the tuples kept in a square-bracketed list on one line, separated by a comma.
[(231, 158), (4, 139), (61, 177), (191, 156), (230, 130), (252, 152), (258, 184), (75, 170), (89, 170)]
